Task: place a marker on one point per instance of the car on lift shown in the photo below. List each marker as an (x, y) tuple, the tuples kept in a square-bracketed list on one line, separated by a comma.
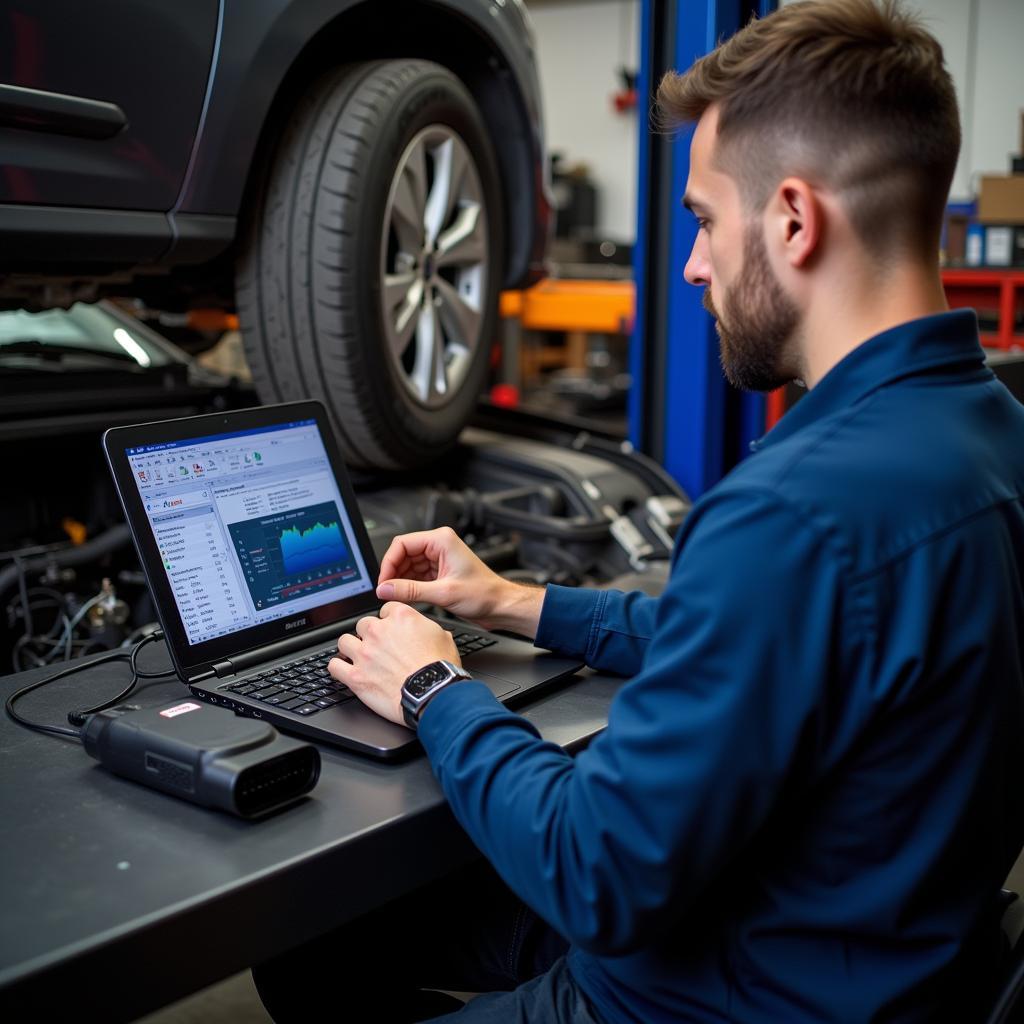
[(356, 178)]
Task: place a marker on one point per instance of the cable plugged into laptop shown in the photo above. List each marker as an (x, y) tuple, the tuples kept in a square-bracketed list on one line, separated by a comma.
[(204, 754)]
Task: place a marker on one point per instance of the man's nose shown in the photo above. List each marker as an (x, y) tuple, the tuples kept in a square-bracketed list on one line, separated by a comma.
[(698, 270)]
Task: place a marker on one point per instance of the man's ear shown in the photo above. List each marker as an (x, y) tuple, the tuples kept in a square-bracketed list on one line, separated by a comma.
[(795, 220)]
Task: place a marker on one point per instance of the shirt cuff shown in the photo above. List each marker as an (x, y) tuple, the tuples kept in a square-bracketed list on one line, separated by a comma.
[(451, 710), (567, 619)]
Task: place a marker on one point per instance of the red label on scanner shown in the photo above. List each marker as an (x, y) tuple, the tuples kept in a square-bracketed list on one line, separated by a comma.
[(180, 709)]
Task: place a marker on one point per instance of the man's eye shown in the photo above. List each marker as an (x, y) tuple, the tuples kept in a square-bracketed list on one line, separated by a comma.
[(703, 224)]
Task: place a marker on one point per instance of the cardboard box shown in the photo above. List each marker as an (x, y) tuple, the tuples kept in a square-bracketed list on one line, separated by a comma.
[(1001, 199)]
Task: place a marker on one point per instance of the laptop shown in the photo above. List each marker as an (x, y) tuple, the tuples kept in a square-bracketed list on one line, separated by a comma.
[(251, 540)]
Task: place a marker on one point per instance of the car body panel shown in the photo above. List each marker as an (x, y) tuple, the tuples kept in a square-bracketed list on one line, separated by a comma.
[(205, 86), (264, 44), (149, 58)]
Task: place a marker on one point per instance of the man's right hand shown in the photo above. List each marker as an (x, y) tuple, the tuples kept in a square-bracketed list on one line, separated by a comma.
[(436, 567)]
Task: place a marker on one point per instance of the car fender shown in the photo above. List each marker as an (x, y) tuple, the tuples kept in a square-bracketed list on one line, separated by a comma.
[(265, 48)]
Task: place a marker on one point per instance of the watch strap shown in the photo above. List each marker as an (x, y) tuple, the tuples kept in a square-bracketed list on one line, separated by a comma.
[(412, 707)]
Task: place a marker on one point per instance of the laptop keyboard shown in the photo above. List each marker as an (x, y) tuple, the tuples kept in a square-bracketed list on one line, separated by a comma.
[(468, 643), (304, 686)]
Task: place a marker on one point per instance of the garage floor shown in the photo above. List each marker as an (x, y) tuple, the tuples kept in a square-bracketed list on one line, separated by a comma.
[(235, 998)]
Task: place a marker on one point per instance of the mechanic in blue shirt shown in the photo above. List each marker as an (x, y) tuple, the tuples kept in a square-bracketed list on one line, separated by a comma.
[(810, 790)]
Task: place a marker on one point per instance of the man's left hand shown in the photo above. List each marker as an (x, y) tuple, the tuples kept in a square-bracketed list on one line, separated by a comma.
[(384, 651)]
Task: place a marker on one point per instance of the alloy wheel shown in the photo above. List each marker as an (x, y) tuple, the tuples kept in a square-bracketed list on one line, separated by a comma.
[(434, 265)]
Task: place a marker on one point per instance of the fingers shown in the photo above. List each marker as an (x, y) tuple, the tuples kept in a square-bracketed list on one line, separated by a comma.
[(416, 555), (406, 591), (366, 626), (395, 560), (348, 646), (437, 592), (411, 568), (405, 552), (341, 667), (394, 609)]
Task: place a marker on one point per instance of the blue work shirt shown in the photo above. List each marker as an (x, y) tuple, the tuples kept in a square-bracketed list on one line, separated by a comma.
[(810, 791)]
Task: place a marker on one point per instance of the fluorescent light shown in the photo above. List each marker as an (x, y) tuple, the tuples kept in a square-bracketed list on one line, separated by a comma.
[(131, 346)]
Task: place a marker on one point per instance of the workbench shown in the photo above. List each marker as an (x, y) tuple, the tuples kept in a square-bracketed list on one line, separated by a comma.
[(118, 899)]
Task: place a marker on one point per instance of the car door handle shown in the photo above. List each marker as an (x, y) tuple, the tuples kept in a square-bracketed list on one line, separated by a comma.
[(59, 113)]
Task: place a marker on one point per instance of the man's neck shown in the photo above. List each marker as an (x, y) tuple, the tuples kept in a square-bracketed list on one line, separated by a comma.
[(856, 308)]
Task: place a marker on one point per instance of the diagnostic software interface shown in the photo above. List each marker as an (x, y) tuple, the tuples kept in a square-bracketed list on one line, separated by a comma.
[(250, 526)]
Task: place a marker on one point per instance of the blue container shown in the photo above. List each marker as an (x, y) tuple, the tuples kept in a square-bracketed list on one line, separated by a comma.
[(974, 251)]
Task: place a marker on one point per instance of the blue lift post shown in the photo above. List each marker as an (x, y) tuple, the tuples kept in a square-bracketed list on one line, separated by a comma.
[(682, 412)]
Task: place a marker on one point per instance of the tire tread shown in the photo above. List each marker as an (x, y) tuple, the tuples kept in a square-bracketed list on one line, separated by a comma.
[(304, 336)]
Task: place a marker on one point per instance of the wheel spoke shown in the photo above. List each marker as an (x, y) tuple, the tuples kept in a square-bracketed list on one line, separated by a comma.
[(403, 299), (440, 367), (461, 319), (397, 288), (434, 266), (428, 373), (464, 242), (410, 201), (449, 169)]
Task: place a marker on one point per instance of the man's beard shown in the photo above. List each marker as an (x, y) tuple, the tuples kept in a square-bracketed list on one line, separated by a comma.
[(757, 323)]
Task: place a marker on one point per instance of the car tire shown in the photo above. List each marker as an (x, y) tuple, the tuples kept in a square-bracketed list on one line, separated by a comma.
[(370, 265)]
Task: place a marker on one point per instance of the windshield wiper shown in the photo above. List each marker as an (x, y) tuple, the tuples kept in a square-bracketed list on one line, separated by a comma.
[(58, 353)]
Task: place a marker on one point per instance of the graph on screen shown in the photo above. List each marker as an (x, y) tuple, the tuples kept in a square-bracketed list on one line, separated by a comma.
[(302, 550), (292, 554)]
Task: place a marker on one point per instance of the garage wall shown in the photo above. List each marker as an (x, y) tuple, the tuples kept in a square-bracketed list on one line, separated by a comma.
[(580, 46), (582, 42), (992, 121), (984, 45)]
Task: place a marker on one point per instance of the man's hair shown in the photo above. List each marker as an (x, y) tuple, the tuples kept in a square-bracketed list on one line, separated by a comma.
[(851, 94)]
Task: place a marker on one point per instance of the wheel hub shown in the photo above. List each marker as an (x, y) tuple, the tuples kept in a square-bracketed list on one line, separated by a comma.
[(434, 265)]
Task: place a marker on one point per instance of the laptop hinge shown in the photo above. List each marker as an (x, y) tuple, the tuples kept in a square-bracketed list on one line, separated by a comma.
[(269, 652)]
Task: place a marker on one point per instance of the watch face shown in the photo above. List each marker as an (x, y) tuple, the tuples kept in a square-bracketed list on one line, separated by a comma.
[(425, 679)]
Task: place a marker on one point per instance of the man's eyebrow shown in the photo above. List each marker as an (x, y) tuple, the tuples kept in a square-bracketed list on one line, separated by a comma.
[(693, 204)]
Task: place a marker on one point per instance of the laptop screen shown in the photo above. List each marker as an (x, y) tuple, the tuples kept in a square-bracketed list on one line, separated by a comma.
[(250, 526)]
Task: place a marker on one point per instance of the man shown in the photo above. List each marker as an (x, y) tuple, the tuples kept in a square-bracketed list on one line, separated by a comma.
[(809, 791)]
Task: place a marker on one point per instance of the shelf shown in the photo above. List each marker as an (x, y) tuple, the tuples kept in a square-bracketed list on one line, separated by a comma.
[(989, 289)]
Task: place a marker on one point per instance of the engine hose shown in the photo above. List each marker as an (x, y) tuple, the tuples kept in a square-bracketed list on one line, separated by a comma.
[(579, 529), (114, 538)]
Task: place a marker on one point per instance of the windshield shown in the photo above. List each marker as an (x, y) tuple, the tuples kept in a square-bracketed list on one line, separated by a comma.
[(80, 336)]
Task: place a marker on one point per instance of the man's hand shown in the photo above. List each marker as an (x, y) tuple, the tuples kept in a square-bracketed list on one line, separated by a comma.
[(384, 652), (436, 566)]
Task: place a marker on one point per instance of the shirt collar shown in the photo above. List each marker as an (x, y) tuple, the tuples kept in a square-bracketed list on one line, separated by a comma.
[(944, 339)]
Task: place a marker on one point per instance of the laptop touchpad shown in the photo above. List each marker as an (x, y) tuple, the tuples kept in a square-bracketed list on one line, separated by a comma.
[(499, 687)]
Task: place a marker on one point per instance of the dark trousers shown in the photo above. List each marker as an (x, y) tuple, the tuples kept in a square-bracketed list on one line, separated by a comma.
[(466, 933)]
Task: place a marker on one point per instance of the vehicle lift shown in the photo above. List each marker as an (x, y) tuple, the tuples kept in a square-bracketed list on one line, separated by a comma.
[(681, 411)]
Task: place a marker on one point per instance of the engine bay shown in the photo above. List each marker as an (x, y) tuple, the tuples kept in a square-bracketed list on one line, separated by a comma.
[(538, 501)]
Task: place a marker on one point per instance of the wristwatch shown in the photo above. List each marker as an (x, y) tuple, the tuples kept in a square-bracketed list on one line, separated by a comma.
[(419, 689)]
